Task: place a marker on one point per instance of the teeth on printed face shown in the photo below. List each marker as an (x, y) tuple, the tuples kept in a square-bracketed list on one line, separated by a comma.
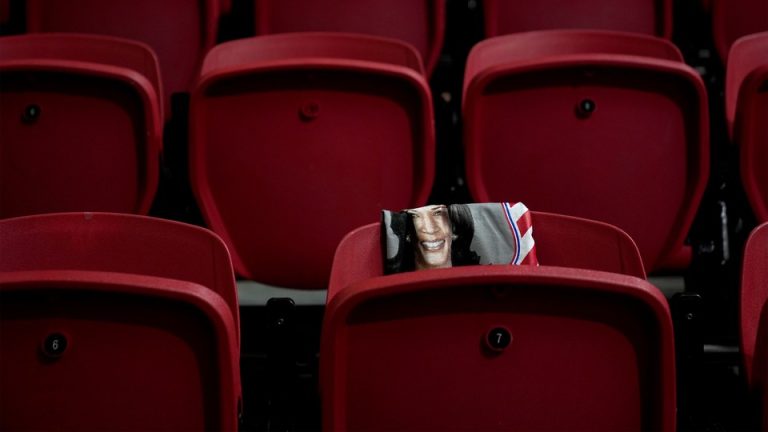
[(433, 245)]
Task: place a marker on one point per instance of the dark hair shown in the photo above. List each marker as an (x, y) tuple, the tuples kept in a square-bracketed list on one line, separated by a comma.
[(401, 224), (405, 259), (463, 232)]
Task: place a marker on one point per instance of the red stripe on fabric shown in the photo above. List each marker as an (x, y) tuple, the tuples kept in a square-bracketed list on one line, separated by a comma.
[(524, 223), (531, 258)]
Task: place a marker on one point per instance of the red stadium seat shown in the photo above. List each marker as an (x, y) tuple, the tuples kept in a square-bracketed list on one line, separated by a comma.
[(80, 125), (587, 350), (732, 19), (754, 316), (179, 31), (418, 22), (116, 322), (602, 125), (562, 241), (747, 54), (296, 139), (119, 243), (650, 17), (746, 98)]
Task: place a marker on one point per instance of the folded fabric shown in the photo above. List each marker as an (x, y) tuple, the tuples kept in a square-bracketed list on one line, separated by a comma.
[(437, 236)]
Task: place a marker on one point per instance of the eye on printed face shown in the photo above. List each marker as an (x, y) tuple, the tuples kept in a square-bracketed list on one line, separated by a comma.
[(434, 235)]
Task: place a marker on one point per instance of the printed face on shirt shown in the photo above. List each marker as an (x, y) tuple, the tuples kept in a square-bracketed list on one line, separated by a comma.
[(434, 235)]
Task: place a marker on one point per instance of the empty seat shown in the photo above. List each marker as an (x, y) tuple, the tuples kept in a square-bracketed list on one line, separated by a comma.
[(602, 125), (179, 31), (484, 347), (116, 322), (746, 99), (80, 124), (118, 243), (754, 317), (418, 22), (650, 17), (732, 19), (296, 139)]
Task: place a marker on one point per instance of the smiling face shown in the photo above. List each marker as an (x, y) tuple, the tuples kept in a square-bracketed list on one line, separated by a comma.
[(434, 234)]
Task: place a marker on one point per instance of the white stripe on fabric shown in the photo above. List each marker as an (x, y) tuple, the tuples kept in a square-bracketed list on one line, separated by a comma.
[(515, 232), (517, 211), (526, 244)]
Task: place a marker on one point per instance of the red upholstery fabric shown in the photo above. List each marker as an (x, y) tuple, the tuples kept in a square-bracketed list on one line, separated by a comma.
[(312, 133), (119, 243), (420, 23), (754, 316), (747, 54), (747, 110), (410, 351), (651, 17), (81, 124), (732, 19), (179, 31), (146, 311), (601, 125)]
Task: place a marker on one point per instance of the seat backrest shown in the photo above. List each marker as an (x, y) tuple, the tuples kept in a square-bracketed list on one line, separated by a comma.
[(535, 45), (754, 316), (313, 133), (179, 31), (420, 23), (81, 124), (746, 54), (650, 17), (139, 309), (486, 348), (119, 243), (562, 241), (114, 351), (746, 97), (601, 125), (754, 305), (732, 19)]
